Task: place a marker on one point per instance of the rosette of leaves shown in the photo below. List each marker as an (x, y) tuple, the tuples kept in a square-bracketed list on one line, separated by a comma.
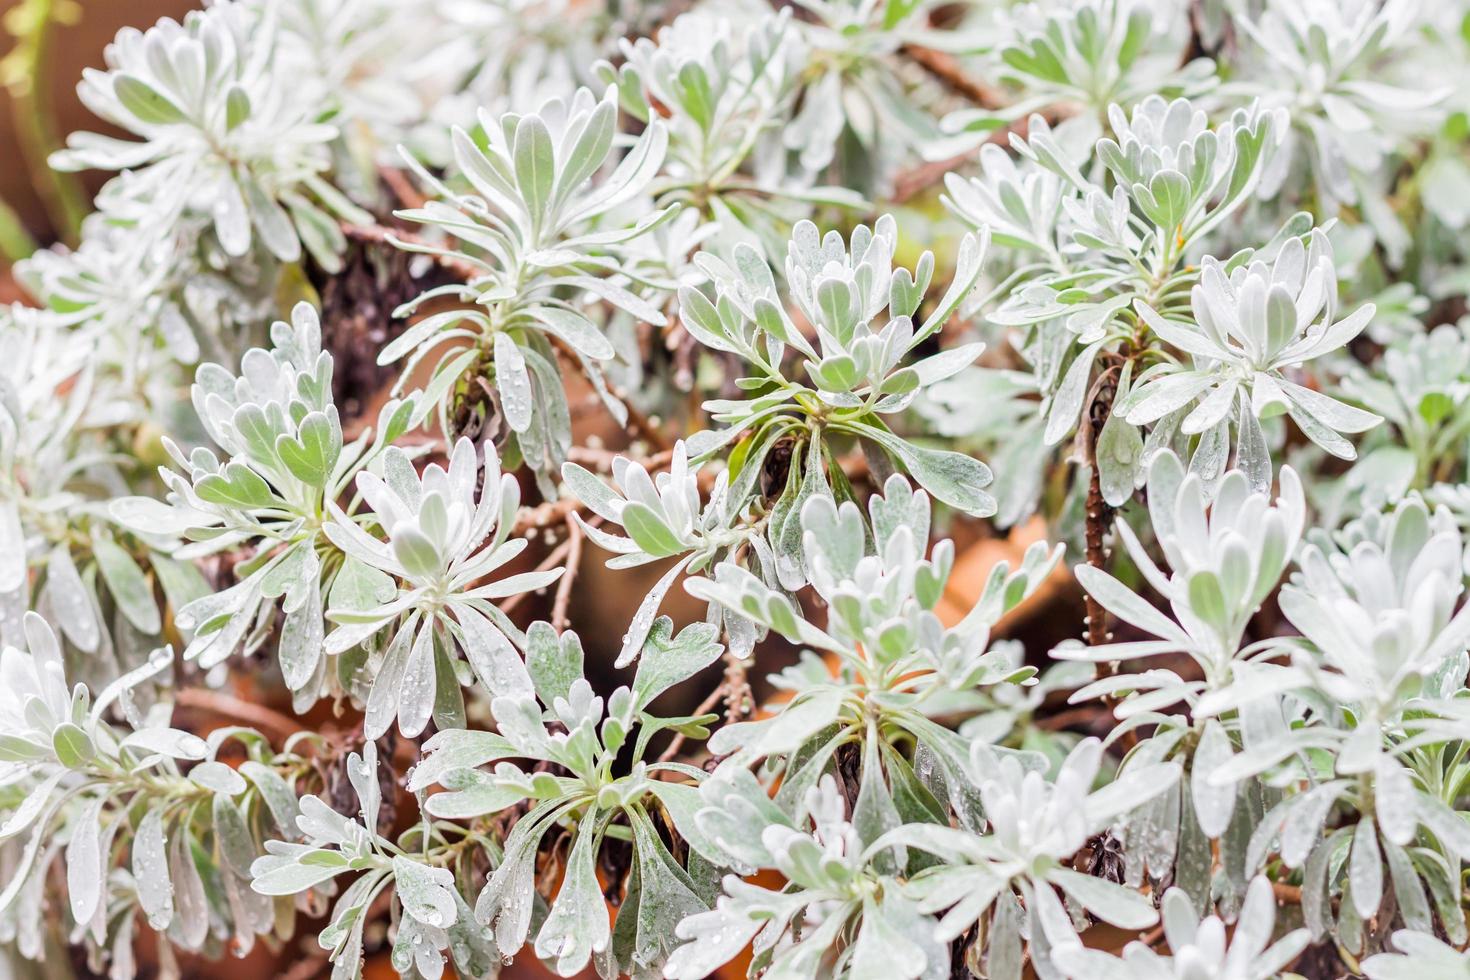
[(1420, 386), (1225, 556), (1087, 253), (122, 287), (1020, 202), (418, 582), (431, 914), (555, 44), (724, 87), (1200, 948), (1006, 877), (1368, 713), (1330, 64), (542, 233), (361, 57), (1184, 175), (134, 832), (285, 461), (838, 897), (857, 113), (1251, 323), (591, 782), (855, 373), (662, 517), (226, 137), (890, 656), (1091, 54), (60, 550)]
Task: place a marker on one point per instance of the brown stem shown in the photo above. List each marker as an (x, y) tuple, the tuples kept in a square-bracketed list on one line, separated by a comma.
[(738, 701), (1098, 515), (642, 424), (913, 182), (946, 69), (550, 561), (733, 689), (705, 707), (1287, 894), (272, 724), (378, 235), (1082, 716), (402, 188), (564, 587), (602, 459), (918, 179), (544, 515)]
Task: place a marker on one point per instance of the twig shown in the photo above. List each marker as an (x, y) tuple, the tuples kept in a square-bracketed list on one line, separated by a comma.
[(556, 555), (378, 235), (913, 182), (402, 188), (1097, 510), (257, 716), (564, 587), (1287, 894), (1081, 715), (312, 964), (602, 459), (946, 68), (544, 515), (738, 704), (642, 424), (1096, 527), (733, 689), (705, 707)]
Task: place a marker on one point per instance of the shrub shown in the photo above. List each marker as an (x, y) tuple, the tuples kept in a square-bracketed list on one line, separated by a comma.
[(862, 296)]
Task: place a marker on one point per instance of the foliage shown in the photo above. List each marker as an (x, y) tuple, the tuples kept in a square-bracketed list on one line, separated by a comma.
[(843, 319)]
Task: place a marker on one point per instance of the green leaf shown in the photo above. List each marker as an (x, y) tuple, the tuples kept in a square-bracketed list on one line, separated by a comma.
[(535, 165), (144, 101), (554, 662), (649, 532), (472, 793), (457, 749), (232, 836), (150, 870), (668, 660), (951, 477), (85, 874), (1166, 198), (312, 455), (73, 748), (128, 585), (238, 486), (426, 892), (577, 925), (237, 106), (291, 879)]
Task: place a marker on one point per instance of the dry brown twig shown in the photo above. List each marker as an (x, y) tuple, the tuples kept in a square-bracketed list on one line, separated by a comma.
[(564, 587), (948, 71), (270, 723), (378, 235), (552, 559)]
